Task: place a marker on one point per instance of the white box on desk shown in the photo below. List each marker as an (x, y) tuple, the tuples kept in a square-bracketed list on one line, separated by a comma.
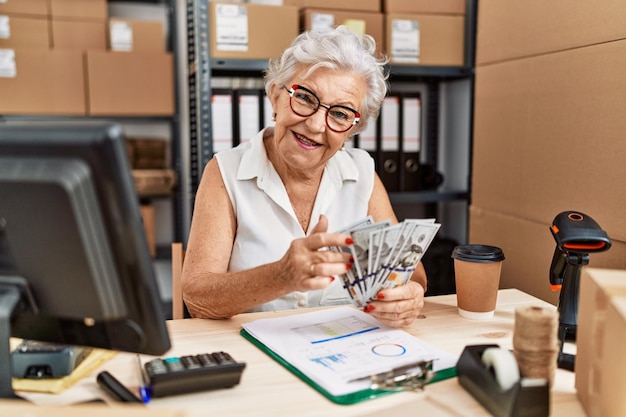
[(600, 341)]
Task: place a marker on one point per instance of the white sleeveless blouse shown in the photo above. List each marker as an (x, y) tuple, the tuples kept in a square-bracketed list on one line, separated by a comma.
[(267, 223)]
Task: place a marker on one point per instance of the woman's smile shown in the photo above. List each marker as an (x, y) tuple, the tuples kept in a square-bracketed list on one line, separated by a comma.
[(305, 142)]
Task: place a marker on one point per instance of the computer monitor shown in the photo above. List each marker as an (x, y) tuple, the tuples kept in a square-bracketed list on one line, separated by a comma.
[(75, 267)]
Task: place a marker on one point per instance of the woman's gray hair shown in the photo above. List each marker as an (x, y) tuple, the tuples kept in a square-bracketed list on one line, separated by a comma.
[(335, 49)]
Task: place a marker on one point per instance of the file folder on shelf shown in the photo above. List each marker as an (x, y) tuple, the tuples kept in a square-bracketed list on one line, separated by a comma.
[(367, 141), (249, 114), (222, 117), (347, 355), (390, 145), (267, 112), (410, 135)]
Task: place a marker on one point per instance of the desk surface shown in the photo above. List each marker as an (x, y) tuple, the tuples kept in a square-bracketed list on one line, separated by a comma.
[(268, 389)]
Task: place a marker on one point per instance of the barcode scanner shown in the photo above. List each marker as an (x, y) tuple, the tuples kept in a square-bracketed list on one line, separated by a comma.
[(576, 235)]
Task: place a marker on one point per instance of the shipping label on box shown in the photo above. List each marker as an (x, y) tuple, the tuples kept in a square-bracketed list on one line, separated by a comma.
[(322, 21), (405, 41), (8, 68), (120, 35), (5, 27), (231, 27)]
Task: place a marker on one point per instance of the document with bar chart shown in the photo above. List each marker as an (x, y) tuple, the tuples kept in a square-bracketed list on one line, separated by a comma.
[(337, 350)]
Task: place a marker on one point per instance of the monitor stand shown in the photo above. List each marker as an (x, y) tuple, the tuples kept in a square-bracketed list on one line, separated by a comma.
[(14, 296), (9, 300)]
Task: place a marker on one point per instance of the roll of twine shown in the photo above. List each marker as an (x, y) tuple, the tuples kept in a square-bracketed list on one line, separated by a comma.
[(535, 342)]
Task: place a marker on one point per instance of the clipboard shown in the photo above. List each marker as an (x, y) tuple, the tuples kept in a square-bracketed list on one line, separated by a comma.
[(399, 379)]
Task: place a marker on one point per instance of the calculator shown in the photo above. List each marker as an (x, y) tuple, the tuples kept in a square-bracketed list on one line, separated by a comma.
[(192, 373)]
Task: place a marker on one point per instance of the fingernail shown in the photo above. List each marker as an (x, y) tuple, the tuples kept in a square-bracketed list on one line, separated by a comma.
[(368, 308), (381, 296), (349, 241), (348, 267), (351, 259), (332, 279)]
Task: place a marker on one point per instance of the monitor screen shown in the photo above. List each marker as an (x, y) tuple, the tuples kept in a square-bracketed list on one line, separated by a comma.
[(75, 267)]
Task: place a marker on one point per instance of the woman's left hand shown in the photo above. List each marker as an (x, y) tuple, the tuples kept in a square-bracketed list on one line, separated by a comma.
[(398, 306)]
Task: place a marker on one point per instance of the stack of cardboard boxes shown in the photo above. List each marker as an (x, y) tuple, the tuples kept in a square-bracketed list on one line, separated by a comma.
[(409, 32), (548, 131), (67, 57)]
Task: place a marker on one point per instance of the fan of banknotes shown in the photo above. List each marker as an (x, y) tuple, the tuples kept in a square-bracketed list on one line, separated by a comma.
[(385, 255)]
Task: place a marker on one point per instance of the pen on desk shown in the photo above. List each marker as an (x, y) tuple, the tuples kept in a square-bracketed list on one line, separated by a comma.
[(144, 384), (115, 388)]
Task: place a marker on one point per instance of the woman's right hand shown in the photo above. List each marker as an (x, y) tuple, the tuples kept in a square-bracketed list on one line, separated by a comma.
[(310, 265)]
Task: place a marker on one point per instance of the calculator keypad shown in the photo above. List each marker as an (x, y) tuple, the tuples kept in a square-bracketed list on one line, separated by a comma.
[(192, 373)]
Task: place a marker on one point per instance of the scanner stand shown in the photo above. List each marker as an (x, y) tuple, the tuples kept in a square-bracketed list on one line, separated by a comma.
[(527, 398), (566, 360)]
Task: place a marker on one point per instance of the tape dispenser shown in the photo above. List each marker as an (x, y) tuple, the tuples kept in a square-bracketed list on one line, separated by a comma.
[(491, 375)]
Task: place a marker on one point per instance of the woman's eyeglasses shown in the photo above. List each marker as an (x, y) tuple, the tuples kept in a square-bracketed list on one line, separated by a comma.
[(305, 103)]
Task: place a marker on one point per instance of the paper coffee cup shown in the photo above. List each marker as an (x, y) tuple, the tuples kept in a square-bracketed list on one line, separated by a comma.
[(477, 276)]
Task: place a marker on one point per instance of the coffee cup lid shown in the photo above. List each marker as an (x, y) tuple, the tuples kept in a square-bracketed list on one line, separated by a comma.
[(478, 253)]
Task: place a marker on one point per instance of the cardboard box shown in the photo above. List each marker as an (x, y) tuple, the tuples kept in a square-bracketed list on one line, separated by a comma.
[(425, 6), (45, 83), (25, 7), (135, 35), (518, 28), (147, 216), (154, 182), (18, 31), (350, 5), (528, 247), (147, 153), (130, 84), (78, 34), (526, 266), (600, 341), (79, 9), (441, 39), (370, 23), (548, 136), (251, 31)]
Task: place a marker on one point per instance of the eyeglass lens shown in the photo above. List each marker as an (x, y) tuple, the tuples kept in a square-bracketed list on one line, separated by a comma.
[(305, 103)]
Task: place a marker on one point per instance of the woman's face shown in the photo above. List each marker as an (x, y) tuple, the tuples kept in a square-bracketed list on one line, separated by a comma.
[(307, 142)]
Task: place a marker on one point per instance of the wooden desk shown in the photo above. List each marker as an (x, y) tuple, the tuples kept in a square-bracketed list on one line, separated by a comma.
[(268, 389)]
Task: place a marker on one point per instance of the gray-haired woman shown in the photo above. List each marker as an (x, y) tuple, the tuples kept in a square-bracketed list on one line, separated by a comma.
[(264, 209)]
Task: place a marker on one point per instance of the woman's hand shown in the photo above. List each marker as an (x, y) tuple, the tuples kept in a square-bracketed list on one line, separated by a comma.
[(398, 306), (309, 265)]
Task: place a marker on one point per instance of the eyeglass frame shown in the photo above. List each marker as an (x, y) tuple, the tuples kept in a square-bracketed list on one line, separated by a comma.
[(294, 87)]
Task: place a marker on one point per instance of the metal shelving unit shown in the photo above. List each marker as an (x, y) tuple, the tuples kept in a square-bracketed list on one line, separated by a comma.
[(178, 200), (202, 67)]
